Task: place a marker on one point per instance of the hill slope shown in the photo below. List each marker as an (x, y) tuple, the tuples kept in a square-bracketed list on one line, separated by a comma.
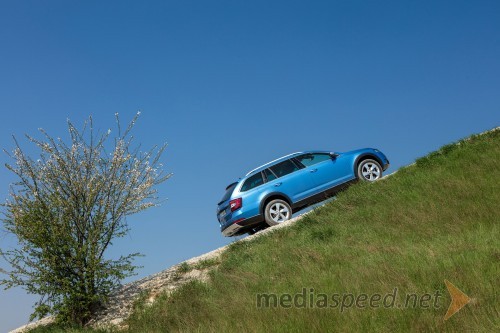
[(437, 219)]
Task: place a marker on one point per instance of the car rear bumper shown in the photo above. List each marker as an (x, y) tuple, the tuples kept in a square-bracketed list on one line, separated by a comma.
[(241, 226)]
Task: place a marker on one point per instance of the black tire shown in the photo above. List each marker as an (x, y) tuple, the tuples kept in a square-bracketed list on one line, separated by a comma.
[(369, 170), (277, 211)]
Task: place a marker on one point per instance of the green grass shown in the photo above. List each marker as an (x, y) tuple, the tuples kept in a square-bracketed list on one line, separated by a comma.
[(207, 263), (55, 328), (184, 267), (437, 219)]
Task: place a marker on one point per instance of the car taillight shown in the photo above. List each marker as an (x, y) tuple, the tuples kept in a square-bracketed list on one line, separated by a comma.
[(235, 204)]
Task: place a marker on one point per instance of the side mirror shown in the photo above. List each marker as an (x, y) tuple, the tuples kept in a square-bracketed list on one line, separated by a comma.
[(334, 155)]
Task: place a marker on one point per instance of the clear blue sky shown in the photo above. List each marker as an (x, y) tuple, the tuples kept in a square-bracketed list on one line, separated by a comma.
[(233, 84)]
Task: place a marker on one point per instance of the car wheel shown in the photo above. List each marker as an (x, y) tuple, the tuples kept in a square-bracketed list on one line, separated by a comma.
[(369, 170), (277, 211)]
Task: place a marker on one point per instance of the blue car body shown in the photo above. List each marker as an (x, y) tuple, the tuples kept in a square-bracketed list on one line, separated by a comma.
[(300, 179)]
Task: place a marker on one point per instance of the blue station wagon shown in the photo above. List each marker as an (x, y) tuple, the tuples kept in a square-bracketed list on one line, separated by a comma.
[(271, 193)]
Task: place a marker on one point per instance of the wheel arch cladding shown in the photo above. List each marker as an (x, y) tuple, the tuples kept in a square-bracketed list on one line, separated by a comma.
[(365, 156), (272, 196)]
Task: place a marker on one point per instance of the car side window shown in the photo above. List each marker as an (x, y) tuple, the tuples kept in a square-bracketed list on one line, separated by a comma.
[(252, 182), (284, 168), (311, 159), (269, 175)]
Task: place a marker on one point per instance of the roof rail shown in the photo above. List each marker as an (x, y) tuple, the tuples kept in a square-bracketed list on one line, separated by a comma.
[(268, 163)]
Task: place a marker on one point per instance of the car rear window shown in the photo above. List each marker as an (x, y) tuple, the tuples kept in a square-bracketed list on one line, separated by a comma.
[(229, 191)]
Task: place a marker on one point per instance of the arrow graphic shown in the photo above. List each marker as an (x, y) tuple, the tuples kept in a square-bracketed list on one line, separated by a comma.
[(458, 299)]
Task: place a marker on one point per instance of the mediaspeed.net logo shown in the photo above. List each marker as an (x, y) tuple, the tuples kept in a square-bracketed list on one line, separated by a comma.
[(311, 298)]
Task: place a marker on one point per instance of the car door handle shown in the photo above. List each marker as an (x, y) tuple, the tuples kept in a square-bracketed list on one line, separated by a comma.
[(277, 184), (313, 170)]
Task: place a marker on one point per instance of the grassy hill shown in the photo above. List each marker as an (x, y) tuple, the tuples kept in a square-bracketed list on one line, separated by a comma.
[(434, 220)]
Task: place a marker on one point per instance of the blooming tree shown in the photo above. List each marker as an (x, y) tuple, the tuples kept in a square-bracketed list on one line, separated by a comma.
[(66, 209)]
